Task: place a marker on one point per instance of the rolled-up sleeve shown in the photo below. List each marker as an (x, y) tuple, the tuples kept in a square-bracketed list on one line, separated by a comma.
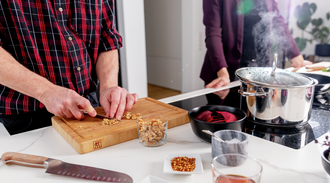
[(213, 33), (110, 38)]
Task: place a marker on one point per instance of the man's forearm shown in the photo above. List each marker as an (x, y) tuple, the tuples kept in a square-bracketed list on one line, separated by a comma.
[(107, 68), (19, 78)]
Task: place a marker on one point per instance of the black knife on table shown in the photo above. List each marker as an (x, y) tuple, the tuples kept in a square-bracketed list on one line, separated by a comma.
[(58, 167)]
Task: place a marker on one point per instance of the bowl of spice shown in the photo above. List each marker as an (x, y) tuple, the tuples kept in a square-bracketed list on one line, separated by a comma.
[(152, 130), (326, 161), (325, 156), (215, 118), (183, 164)]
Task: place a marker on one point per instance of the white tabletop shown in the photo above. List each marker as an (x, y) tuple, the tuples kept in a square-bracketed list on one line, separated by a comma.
[(280, 163)]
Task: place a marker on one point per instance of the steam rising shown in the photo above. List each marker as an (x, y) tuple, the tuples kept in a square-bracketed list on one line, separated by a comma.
[(269, 35)]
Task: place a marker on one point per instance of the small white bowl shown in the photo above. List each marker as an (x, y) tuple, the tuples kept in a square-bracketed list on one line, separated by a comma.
[(168, 167), (153, 179)]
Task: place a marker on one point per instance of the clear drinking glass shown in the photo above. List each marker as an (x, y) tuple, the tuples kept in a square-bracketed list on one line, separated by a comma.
[(152, 130), (235, 142), (235, 168)]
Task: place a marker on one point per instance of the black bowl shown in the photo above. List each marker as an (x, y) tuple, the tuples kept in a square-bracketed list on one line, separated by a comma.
[(322, 79), (325, 161), (197, 125)]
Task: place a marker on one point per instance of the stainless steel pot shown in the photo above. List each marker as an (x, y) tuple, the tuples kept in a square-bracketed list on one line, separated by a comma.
[(276, 96)]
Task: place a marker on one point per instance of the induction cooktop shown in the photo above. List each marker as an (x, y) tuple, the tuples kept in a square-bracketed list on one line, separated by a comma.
[(294, 137)]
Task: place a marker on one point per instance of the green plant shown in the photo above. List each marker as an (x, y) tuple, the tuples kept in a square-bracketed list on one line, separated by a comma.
[(304, 17), (319, 33)]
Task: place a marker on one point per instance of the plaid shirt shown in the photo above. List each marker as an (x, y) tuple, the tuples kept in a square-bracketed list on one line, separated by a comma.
[(57, 39)]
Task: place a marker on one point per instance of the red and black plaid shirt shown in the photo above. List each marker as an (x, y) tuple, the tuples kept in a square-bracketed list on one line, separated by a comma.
[(57, 39)]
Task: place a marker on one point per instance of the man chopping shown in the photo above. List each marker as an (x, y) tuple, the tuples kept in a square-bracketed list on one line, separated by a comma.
[(54, 54)]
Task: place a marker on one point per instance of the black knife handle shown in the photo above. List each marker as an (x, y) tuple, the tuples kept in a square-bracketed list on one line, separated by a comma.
[(23, 159)]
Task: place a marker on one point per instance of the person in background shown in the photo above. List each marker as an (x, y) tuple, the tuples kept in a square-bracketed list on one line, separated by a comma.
[(242, 33), (54, 56)]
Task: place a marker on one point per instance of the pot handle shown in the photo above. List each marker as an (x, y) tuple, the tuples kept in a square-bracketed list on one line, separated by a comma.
[(249, 94)]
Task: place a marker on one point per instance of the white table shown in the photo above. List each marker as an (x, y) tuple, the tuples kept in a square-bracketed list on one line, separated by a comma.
[(280, 163)]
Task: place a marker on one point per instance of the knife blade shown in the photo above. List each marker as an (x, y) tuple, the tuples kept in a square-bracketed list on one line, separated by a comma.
[(100, 116), (59, 167)]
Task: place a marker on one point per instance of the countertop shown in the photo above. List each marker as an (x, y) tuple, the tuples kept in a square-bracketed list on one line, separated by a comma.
[(280, 163)]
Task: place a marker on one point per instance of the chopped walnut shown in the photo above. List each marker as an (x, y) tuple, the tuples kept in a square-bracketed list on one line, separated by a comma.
[(151, 132), (110, 121), (133, 116), (129, 115)]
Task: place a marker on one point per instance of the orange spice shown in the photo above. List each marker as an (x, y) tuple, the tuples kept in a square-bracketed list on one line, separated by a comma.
[(183, 164)]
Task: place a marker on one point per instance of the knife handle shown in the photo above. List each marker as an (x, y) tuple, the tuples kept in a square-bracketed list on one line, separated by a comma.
[(23, 159)]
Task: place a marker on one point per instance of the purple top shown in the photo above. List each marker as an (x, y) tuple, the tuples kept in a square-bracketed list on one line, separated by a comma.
[(224, 29)]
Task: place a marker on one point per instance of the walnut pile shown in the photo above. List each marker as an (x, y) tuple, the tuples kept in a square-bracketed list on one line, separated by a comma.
[(110, 121), (151, 132), (129, 115), (183, 164)]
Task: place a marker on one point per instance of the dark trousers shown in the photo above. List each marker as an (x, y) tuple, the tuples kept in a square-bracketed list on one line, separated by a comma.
[(19, 123)]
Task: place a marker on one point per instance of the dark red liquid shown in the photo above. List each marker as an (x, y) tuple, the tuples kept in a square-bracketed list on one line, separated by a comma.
[(233, 179)]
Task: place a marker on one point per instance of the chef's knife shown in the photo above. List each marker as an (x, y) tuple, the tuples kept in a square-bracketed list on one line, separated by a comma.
[(100, 116), (58, 167)]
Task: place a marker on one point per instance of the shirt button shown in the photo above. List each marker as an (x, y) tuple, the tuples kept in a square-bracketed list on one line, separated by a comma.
[(70, 38), (60, 9), (78, 68)]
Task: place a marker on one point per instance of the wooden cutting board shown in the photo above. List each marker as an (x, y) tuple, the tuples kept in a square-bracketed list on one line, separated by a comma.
[(89, 134), (317, 67)]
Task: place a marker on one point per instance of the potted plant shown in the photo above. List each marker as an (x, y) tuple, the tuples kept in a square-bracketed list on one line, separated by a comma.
[(304, 17), (319, 32), (322, 35)]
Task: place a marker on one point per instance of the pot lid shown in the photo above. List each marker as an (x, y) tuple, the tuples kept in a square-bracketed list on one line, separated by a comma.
[(263, 76)]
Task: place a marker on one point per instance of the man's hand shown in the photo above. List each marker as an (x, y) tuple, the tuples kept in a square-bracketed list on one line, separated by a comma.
[(222, 80), (299, 61), (66, 103), (116, 101)]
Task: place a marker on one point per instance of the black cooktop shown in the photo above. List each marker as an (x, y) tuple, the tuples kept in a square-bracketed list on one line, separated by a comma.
[(294, 137)]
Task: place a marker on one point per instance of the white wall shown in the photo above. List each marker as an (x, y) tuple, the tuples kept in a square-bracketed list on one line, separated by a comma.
[(193, 45), (163, 41), (175, 43), (133, 53), (323, 6)]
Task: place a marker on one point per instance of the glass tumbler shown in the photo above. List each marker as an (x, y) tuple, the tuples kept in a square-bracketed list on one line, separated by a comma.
[(235, 168), (152, 130), (235, 142)]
